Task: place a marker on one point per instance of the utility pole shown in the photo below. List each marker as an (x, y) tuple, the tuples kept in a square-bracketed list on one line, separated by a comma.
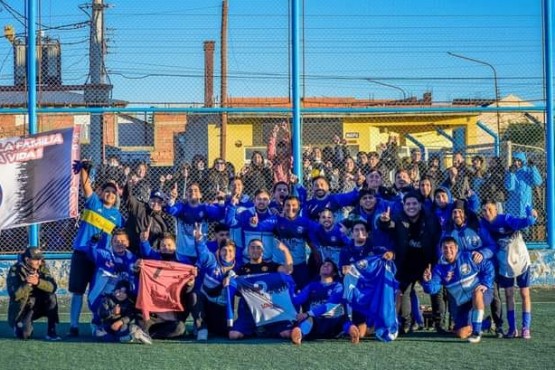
[(223, 80), (97, 90)]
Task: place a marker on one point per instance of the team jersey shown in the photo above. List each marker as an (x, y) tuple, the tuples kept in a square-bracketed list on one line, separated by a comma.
[(96, 219), (321, 299), (472, 240), (328, 243), (263, 230), (213, 275), (503, 229), (460, 277), (351, 253), (258, 268), (333, 202), (187, 216), (294, 234), (110, 268)]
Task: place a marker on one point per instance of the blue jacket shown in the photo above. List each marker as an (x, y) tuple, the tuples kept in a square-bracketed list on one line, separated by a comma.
[(504, 225), (502, 229), (473, 239), (460, 277), (444, 214), (186, 216), (519, 185)]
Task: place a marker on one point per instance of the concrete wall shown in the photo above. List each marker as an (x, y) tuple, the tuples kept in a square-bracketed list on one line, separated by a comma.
[(543, 271)]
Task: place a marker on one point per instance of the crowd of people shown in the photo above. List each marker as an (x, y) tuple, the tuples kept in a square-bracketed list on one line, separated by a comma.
[(455, 232)]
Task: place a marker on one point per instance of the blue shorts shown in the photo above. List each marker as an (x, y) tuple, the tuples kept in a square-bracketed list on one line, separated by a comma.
[(462, 315), (522, 280)]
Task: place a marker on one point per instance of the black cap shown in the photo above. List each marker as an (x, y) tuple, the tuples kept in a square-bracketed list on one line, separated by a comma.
[(33, 253), (459, 204), (109, 184), (157, 194), (123, 284)]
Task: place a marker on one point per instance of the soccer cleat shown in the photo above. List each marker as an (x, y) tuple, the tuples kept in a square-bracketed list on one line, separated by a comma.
[(296, 335), (511, 334), (52, 336), (202, 335), (475, 338), (139, 336), (526, 333), (73, 332), (440, 329), (499, 333), (354, 333), (405, 328)]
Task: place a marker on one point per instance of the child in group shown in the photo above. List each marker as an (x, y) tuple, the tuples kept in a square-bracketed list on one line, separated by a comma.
[(117, 312)]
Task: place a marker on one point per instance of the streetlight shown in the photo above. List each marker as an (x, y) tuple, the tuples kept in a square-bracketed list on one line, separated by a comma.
[(494, 82), (388, 85)]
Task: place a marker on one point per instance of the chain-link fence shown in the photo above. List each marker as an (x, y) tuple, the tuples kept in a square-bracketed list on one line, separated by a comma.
[(438, 91)]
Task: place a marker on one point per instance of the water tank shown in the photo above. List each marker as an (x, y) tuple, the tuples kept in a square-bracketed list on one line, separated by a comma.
[(49, 62)]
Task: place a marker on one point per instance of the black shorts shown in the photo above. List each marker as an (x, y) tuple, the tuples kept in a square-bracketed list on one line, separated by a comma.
[(80, 273)]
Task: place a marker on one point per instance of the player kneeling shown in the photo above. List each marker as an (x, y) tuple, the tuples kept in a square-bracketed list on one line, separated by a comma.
[(469, 283)]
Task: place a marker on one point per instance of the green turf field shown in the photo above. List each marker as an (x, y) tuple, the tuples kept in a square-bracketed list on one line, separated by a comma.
[(421, 350)]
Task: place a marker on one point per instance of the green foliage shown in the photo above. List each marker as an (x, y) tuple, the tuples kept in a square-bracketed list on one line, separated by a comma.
[(525, 134)]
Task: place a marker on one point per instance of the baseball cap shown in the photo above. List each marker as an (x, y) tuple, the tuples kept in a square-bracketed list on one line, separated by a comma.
[(157, 194), (33, 253), (109, 184)]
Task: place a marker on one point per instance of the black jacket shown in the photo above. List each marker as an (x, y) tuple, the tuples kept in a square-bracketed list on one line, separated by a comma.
[(429, 233), (141, 218)]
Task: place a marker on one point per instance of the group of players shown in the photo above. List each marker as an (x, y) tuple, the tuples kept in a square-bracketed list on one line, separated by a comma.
[(461, 251)]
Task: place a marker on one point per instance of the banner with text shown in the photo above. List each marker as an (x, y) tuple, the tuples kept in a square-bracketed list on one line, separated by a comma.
[(37, 183)]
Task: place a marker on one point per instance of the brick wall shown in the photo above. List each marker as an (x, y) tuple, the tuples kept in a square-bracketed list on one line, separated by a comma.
[(165, 127)]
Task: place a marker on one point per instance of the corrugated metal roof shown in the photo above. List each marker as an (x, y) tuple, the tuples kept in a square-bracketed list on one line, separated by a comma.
[(16, 99)]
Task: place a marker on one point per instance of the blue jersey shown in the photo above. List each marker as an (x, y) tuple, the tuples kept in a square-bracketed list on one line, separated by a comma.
[(235, 233), (321, 300), (153, 254), (471, 240), (328, 243), (187, 216), (352, 253), (379, 237), (333, 202), (503, 229), (96, 219), (503, 225), (460, 277), (110, 268), (213, 275), (294, 234), (264, 230)]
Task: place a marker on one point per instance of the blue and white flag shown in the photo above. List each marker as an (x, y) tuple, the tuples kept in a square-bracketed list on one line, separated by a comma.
[(268, 297), (369, 288), (36, 182)]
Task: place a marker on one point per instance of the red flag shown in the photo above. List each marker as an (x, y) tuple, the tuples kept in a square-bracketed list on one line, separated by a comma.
[(160, 285)]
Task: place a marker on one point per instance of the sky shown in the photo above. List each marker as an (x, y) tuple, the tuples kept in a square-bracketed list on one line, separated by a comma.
[(349, 48)]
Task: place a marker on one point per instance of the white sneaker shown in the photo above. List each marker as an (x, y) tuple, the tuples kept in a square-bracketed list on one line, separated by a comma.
[(140, 336), (475, 338), (99, 332), (202, 335)]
